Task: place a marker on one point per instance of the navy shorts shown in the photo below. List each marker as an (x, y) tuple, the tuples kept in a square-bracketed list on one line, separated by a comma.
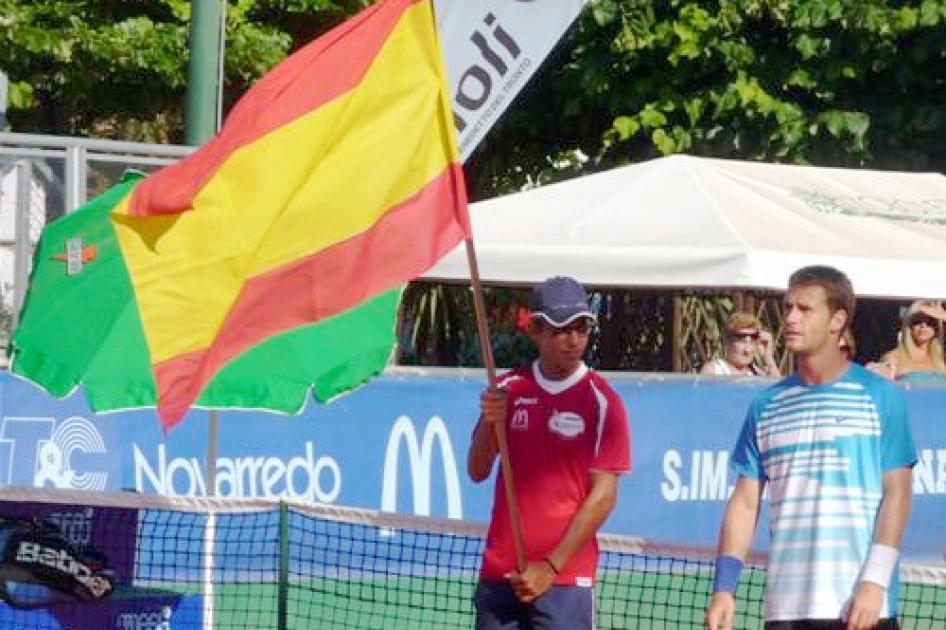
[(559, 608)]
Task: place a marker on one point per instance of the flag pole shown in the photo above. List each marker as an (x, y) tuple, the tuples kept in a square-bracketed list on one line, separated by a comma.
[(505, 463)]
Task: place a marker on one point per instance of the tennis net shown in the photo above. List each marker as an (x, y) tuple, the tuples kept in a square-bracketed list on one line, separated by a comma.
[(128, 561)]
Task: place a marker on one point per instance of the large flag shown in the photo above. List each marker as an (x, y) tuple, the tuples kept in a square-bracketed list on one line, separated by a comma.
[(334, 180)]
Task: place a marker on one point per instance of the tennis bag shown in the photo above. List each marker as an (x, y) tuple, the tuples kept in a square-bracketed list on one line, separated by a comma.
[(41, 567)]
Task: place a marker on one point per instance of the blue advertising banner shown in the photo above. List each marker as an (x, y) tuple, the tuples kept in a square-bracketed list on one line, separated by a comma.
[(399, 444)]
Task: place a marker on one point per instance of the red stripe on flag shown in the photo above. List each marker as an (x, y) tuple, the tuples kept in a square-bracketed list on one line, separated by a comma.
[(404, 243), (337, 61)]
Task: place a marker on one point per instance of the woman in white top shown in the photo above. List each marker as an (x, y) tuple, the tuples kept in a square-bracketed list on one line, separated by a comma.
[(749, 349)]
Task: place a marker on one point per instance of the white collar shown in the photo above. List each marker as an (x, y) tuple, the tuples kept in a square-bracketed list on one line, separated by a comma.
[(557, 387)]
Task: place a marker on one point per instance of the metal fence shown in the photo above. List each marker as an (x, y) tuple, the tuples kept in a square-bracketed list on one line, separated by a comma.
[(43, 178)]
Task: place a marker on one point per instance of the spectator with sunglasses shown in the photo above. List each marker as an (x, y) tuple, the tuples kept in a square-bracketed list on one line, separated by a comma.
[(918, 356), (749, 349), (568, 441)]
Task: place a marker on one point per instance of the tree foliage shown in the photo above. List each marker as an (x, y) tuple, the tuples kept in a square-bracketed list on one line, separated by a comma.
[(830, 82), (118, 68), (853, 83)]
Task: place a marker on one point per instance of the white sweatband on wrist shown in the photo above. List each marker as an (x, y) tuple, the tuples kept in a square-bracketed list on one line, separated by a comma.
[(880, 564)]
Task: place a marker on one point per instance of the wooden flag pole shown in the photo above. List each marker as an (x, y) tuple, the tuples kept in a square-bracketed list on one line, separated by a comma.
[(505, 463)]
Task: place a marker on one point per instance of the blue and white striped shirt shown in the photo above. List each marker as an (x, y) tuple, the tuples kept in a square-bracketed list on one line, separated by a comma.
[(823, 451)]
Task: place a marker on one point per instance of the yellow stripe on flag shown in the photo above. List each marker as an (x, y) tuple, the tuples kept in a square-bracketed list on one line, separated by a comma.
[(321, 179)]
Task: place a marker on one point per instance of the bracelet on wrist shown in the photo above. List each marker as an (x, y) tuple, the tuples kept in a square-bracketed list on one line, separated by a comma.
[(550, 565)]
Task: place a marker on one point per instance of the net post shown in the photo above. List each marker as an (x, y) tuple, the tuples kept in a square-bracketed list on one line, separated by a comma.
[(210, 531), (210, 536), (282, 603)]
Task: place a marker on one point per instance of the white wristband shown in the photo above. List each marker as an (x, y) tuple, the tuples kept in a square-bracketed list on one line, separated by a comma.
[(880, 564)]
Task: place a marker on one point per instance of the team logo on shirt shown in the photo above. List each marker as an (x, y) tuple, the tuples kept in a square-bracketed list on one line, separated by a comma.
[(520, 419), (567, 424)]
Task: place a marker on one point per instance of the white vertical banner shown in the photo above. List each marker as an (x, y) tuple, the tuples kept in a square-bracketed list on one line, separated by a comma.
[(491, 48)]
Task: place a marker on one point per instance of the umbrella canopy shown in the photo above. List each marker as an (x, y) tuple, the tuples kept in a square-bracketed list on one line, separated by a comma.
[(85, 329), (264, 264), (686, 221)]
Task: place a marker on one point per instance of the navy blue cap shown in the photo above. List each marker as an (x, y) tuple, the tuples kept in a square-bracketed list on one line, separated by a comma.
[(559, 301)]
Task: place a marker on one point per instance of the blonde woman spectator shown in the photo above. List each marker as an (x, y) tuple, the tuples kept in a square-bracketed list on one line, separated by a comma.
[(918, 356), (748, 349)]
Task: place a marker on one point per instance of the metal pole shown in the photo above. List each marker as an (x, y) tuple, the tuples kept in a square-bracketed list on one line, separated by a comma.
[(76, 170), (213, 434), (210, 539), (22, 248), (678, 350), (203, 71), (282, 598), (4, 90)]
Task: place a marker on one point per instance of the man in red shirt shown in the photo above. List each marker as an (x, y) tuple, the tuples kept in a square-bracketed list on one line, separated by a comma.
[(569, 441)]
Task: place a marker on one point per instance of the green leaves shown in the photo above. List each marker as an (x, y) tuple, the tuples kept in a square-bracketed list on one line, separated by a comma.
[(832, 82), (838, 82), (118, 69), (20, 95), (625, 127)]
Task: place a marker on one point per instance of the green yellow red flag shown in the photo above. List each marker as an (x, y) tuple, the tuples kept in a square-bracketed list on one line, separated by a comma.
[(270, 260)]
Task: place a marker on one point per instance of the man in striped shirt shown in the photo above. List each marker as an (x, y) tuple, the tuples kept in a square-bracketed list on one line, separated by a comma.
[(833, 444)]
